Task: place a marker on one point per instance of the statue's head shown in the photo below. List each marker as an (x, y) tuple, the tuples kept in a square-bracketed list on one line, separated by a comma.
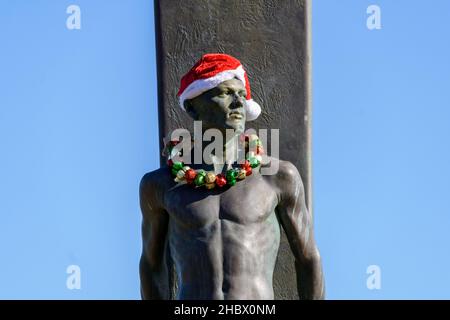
[(216, 91), (220, 107)]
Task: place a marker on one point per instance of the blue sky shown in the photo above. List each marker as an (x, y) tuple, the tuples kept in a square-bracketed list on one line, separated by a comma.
[(78, 128)]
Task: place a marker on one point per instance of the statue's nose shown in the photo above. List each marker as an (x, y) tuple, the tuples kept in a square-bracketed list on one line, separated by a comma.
[(238, 102)]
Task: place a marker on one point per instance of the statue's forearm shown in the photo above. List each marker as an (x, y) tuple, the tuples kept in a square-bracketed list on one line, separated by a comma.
[(310, 281), (152, 283)]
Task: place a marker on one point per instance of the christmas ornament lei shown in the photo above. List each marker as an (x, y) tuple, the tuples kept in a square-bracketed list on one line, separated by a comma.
[(208, 179)]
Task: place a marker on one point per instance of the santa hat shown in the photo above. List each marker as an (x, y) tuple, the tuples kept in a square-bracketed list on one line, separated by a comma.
[(211, 70)]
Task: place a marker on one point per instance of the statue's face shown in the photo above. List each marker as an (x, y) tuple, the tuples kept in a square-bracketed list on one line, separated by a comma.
[(221, 107)]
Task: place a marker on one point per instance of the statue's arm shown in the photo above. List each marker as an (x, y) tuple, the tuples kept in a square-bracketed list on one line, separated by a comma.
[(152, 269), (298, 225)]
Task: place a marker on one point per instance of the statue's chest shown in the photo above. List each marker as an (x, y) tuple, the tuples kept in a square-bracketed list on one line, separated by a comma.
[(249, 201)]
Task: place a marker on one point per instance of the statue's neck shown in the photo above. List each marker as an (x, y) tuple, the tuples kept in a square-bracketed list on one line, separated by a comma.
[(217, 157)]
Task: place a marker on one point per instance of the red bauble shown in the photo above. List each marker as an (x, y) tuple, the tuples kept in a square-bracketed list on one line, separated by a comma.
[(170, 162), (190, 175), (245, 165), (221, 180)]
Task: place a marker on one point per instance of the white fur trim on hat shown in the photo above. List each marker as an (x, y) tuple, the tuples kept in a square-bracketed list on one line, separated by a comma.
[(252, 110), (197, 87)]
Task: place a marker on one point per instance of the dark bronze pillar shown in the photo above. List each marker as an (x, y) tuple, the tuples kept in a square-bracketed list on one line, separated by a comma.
[(272, 40)]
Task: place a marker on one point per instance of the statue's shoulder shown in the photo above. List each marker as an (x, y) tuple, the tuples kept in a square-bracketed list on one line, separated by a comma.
[(284, 174), (157, 180), (287, 170), (281, 169)]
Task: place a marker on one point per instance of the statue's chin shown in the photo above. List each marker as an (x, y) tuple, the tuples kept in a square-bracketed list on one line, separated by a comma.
[(238, 126)]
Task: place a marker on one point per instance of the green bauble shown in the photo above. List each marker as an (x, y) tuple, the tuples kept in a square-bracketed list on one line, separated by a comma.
[(201, 172), (232, 174), (231, 182), (253, 162), (177, 165), (199, 179), (174, 171)]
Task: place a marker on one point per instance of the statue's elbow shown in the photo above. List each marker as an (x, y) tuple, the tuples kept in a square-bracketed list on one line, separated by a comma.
[(310, 260), (315, 259), (150, 280)]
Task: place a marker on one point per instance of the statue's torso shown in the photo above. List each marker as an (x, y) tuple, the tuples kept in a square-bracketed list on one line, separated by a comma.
[(224, 243)]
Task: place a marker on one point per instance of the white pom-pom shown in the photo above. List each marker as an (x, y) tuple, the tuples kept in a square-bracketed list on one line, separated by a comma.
[(252, 110)]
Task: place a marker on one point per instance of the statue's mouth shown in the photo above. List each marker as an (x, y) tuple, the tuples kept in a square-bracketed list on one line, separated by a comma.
[(235, 115)]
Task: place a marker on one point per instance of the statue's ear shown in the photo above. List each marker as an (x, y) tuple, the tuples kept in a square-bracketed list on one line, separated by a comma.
[(190, 109)]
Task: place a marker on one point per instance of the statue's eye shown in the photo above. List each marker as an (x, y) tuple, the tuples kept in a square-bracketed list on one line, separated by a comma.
[(222, 94)]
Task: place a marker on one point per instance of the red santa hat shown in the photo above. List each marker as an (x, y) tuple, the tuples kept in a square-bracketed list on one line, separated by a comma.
[(211, 70)]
